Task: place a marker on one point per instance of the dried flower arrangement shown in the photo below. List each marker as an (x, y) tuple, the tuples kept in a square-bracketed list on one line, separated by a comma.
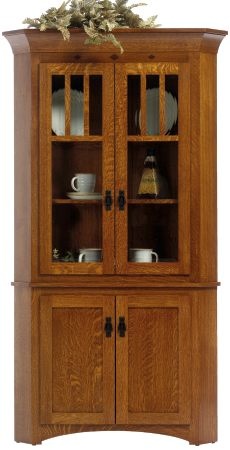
[(97, 17)]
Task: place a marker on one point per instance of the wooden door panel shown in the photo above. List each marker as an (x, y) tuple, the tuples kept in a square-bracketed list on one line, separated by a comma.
[(154, 349), (153, 360), (69, 225), (160, 224), (77, 360)]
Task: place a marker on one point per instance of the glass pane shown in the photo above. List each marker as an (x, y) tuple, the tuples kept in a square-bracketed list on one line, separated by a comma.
[(134, 102), (171, 103), (152, 104), (153, 232), (77, 233), (166, 169), (95, 104), (153, 201), (77, 105), (77, 201), (58, 105)]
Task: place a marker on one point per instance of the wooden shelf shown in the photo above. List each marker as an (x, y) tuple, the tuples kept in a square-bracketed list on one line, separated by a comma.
[(156, 138), (76, 138), (68, 201), (153, 201)]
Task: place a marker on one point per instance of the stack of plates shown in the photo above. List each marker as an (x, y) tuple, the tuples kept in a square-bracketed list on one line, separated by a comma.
[(77, 112), (84, 195), (153, 112)]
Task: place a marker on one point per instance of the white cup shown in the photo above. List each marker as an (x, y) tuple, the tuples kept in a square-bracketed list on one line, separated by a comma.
[(85, 182), (142, 255), (89, 254)]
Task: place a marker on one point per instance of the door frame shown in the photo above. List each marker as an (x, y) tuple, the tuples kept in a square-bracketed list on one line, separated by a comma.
[(47, 304), (123, 415), (106, 70), (182, 266)]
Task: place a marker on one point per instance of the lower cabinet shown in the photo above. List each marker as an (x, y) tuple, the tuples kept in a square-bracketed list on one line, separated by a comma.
[(108, 359)]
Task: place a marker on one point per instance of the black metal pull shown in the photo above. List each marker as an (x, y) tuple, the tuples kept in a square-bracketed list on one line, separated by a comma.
[(121, 200), (108, 326), (108, 200), (121, 327)]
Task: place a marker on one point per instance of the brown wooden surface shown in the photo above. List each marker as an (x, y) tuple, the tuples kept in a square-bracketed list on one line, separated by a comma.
[(180, 431), (153, 360), (77, 360), (129, 162), (26, 395), (133, 40), (166, 48), (204, 361), (95, 223), (22, 161)]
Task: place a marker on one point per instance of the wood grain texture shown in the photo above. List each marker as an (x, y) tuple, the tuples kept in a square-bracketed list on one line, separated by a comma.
[(77, 360), (144, 40), (180, 431), (208, 168), (77, 343), (170, 311), (67, 105), (155, 387), (26, 427), (47, 234), (180, 263), (162, 105), (204, 360), (22, 168)]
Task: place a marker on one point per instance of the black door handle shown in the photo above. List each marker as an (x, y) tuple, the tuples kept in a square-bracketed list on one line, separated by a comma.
[(121, 200), (121, 327), (108, 327), (108, 200)]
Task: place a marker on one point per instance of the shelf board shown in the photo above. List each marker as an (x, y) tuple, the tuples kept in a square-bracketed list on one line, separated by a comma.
[(152, 201), (156, 138), (68, 201), (76, 138)]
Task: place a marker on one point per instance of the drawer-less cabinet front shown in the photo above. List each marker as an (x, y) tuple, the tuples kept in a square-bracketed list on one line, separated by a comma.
[(78, 351), (77, 359), (153, 360)]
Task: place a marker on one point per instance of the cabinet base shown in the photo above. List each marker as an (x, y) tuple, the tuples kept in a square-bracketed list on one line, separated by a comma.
[(50, 431)]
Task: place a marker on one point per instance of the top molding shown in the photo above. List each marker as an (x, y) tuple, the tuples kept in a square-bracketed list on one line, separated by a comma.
[(142, 40)]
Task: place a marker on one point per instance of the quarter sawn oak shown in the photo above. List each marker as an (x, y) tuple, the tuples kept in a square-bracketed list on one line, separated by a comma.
[(71, 374)]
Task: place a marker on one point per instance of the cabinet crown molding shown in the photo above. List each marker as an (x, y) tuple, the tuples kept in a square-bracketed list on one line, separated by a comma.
[(152, 40)]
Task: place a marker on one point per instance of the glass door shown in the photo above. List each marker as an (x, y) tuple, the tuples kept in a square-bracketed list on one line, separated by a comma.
[(152, 168), (76, 168)]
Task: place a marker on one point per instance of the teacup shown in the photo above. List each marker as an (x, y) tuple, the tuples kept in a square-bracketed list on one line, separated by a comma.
[(142, 255), (89, 254), (85, 182)]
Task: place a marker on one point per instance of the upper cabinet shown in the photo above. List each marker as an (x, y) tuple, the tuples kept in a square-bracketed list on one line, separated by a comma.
[(114, 168), (118, 156)]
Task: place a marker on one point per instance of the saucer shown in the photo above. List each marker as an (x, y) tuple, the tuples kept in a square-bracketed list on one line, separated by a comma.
[(84, 195)]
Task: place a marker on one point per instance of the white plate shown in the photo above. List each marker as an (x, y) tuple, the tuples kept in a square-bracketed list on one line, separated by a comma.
[(58, 112), (84, 195), (152, 111)]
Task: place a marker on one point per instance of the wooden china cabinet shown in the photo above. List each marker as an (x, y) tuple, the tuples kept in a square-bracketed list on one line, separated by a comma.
[(113, 340)]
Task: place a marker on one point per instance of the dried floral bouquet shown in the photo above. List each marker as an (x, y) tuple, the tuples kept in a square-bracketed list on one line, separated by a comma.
[(97, 17)]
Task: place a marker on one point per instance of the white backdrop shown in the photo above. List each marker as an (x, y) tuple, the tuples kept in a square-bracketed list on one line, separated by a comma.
[(177, 13)]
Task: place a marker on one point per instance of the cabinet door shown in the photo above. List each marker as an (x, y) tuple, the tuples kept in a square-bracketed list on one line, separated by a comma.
[(76, 143), (153, 212), (76, 359), (153, 360)]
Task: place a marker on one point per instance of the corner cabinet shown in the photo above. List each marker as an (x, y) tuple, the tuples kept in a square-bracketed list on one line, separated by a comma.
[(115, 233)]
